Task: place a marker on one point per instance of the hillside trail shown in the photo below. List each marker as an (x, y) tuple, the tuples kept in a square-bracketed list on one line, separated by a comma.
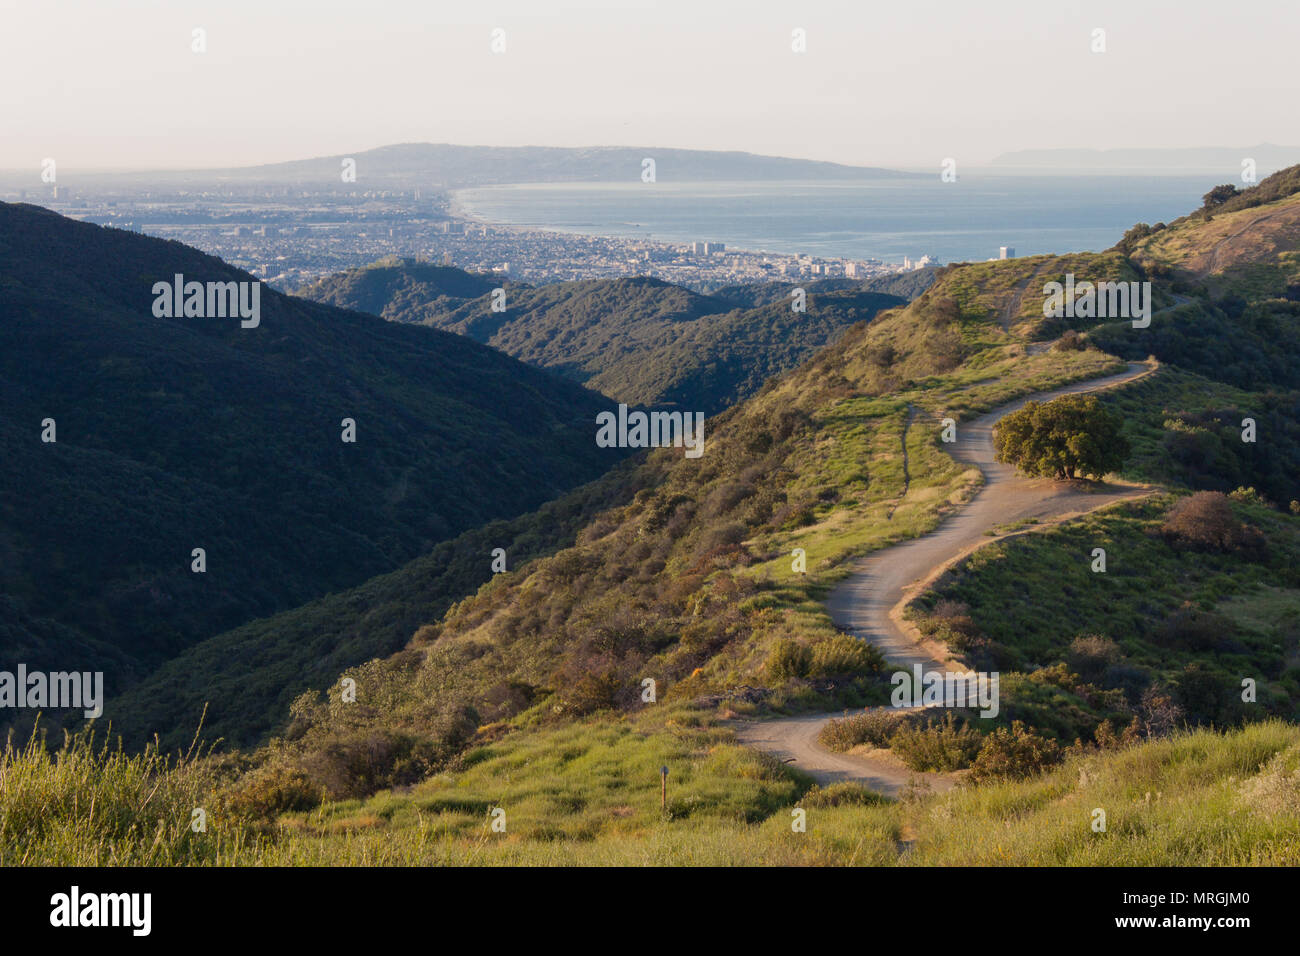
[(1218, 247), (869, 602)]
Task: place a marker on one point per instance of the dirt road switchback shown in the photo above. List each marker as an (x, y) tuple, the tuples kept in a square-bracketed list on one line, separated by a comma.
[(868, 603)]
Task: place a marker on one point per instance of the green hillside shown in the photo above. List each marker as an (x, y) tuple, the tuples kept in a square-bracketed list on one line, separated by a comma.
[(639, 340), (906, 285), (176, 434), (588, 794)]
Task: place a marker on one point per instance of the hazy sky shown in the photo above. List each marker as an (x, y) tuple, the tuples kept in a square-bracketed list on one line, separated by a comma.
[(114, 83)]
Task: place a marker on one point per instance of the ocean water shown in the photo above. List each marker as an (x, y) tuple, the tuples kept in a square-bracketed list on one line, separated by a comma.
[(888, 219)]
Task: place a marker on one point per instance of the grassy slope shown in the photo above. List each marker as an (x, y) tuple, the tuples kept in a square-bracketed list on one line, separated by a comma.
[(690, 581), (245, 679), (1034, 593), (1231, 352), (588, 793)]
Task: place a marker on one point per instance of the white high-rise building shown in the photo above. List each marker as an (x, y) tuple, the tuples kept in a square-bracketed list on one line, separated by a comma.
[(1006, 252)]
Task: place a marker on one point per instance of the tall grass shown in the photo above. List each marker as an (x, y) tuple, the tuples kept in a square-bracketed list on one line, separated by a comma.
[(588, 794), (90, 804)]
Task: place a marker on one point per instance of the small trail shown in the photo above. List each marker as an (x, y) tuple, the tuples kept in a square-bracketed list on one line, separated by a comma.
[(907, 424), (907, 475), (793, 740), (1017, 301), (1214, 255), (869, 602)]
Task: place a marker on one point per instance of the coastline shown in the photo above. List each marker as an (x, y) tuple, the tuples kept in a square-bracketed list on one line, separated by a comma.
[(885, 222), (458, 209)]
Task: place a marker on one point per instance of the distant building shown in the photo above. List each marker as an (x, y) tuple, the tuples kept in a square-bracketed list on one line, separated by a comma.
[(1006, 252)]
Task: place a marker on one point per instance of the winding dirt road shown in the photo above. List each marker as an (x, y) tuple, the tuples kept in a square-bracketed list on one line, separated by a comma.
[(869, 602)]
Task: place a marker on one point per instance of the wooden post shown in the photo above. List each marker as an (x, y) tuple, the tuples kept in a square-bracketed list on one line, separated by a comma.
[(663, 787)]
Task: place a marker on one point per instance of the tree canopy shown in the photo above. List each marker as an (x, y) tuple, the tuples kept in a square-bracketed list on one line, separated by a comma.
[(1065, 438), (1219, 195)]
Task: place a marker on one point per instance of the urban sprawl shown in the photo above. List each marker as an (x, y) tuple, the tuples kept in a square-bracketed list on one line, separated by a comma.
[(289, 236)]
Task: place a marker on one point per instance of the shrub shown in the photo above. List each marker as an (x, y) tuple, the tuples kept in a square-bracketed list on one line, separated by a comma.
[(875, 727), (1057, 675), (1208, 697), (271, 791), (1218, 195), (1205, 521), (1070, 341), (724, 498), (722, 536), (1014, 754), (946, 745), (844, 656), (1192, 629), (1091, 656), (359, 763), (588, 693), (1160, 715), (841, 795), (504, 700), (787, 659), (1109, 736), (1249, 496), (951, 623), (1136, 234)]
